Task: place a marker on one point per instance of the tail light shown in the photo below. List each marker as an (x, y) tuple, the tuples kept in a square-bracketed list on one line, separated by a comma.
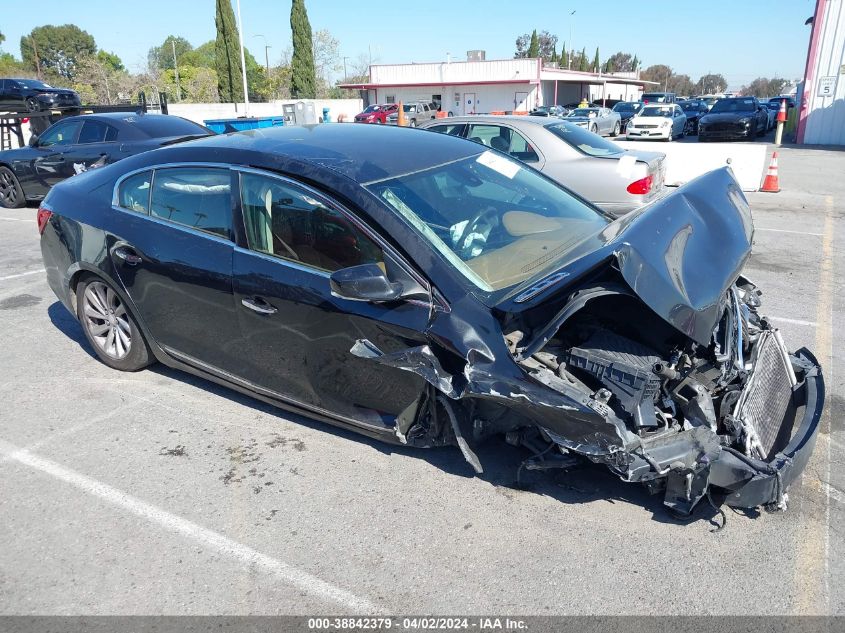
[(25, 120), (642, 186), (44, 216)]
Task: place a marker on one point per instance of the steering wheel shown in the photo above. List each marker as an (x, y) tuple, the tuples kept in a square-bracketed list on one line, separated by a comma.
[(464, 248)]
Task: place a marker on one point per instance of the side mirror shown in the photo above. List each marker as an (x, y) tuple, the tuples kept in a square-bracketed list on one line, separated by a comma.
[(366, 282), (33, 140)]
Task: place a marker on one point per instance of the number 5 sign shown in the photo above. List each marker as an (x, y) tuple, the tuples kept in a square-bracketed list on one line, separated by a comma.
[(827, 86)]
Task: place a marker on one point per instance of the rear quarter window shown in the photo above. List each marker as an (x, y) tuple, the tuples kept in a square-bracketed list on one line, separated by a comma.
[(134, 193)]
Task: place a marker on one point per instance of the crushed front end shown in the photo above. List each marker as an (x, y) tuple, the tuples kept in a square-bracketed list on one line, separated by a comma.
[(739, 414)]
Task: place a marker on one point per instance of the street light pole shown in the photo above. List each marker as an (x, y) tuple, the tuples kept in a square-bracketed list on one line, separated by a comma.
[(243, 60), (266, 55), (345, 76), (176, 68), (571, 46)]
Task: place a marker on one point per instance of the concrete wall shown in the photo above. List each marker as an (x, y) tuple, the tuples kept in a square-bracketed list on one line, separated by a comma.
[(200, 112), (685, 161)]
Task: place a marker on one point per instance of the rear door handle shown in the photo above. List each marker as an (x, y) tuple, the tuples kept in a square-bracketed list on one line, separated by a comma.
[(127, 255), (259, 305)]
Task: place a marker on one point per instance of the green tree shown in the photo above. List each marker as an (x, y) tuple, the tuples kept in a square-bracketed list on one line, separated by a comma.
[(161, 57), (620, 63), (635, 63), (56, 48), (303, 82), (110, 60), (582, 60), (764, 87), (202, 56), (534, 46), (227, 56), (2, 38), (711, 84), (659, 73), (596, 62), (563, 58)]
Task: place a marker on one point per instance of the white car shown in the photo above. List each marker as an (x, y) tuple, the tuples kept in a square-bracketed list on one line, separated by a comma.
[(658, 122)]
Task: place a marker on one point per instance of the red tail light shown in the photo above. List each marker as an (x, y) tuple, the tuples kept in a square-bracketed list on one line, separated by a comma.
[(641, 187), (44, 216), (25, 120)]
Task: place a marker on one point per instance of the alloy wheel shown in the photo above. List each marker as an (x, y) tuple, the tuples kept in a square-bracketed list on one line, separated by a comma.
[(8, 189), (106, 320)]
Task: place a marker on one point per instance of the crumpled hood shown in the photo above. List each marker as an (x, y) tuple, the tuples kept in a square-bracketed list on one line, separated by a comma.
[(682, 253), (679, 255)]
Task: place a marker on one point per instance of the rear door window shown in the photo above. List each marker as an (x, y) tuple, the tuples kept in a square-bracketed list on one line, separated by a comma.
[(505, 140), (455, 129), (96, 132), (199, 197)]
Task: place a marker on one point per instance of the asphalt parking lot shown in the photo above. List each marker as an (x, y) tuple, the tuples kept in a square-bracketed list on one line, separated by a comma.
[(159, 493)]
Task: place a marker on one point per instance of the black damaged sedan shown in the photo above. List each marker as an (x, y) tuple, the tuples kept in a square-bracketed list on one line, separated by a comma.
[(422, 289)]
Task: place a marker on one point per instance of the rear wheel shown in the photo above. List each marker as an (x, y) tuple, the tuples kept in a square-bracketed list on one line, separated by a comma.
[(616, 129), (109, 326), (11, 194), (412, 123), (32, 105), (594, 129)]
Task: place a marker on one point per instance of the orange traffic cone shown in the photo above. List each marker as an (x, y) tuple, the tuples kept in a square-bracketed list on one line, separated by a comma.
[(400, 117), (771, 184), (782, 112)]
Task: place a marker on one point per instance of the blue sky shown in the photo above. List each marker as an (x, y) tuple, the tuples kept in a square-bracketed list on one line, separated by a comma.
[(741, 39)]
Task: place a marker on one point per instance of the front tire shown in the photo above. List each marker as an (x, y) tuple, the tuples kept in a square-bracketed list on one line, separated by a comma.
[(616, 129), (594, 129), (11, 193), (412, 123), (110, 327), (32, 105)]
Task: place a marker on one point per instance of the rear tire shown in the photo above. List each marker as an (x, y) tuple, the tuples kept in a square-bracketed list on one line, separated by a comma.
[(32, 105), (11, 193), (594, 129), (616, 129), (110, 327)]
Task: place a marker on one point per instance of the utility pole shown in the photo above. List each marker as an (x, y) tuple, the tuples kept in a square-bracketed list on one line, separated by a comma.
[(176, 68), (345, 76), (243, 60), (266, 54)]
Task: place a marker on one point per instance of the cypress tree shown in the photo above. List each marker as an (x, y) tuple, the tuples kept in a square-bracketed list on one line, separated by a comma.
[(227, 54), (582, 61), (596, 62), (303, 81), (564, 56), (534, 46)]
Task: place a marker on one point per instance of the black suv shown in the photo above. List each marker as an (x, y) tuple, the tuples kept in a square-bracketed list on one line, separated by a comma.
[(33, 95)]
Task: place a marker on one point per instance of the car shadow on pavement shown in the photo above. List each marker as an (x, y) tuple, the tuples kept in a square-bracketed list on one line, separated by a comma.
[(583, 484)]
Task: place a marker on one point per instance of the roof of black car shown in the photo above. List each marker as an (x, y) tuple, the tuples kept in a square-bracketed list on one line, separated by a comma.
[(363, 153)]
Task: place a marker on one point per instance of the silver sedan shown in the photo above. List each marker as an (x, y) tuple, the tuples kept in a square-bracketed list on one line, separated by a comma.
[(597, 120), (610, 177)]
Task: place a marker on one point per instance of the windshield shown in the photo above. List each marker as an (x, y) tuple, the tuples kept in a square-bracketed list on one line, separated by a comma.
[(626, 107), (583, 112), (371, 108), (691, 106), (657, 111), (734, 105), (497, 222), (33, 83), (584, 141), (655, 96), (409, 108)]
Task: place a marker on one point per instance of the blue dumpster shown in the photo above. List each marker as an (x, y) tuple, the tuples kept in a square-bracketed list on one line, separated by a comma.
[(221, 126), (326, 117)]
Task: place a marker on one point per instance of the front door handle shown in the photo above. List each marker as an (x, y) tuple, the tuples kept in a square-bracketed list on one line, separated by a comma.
[(259, 305), (127, 255)]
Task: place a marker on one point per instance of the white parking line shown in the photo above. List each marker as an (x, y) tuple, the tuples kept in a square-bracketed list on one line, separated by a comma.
[(17, 219), (794, 321), (287, 573), (765, 228), (29, 272)]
